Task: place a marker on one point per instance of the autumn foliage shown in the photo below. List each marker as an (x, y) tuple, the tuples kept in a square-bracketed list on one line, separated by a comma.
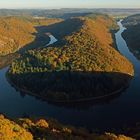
[(17, 32)]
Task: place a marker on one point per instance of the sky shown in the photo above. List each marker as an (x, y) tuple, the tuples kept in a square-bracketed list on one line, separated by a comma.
[(49, 4)]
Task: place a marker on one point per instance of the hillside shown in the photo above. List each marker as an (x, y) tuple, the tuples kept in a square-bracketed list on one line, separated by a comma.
[(17, 32), (132, 34), (77, 66), (10, 130), (131, 20), (27, 129)]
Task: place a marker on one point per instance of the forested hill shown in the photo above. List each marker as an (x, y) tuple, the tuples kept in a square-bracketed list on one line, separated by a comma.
[(78, 65), (18, 32), (132, 34), (132, 20), (82, 37), (14, 33)]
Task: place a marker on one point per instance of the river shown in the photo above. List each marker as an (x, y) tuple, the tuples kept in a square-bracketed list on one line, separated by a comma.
[(52, 40), (114, 113)]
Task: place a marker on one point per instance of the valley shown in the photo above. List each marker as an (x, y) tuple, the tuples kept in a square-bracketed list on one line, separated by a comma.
[(83, 55), (82, 71)]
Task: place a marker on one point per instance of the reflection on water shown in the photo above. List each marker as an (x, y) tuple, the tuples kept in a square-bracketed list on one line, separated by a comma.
[(124, 109), (79, 105), (78, 86)]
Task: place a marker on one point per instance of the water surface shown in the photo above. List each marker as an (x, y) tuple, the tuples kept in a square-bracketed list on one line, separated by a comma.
[(52, 40)]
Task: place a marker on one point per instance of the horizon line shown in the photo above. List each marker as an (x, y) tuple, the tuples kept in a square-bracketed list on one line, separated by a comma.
[(37, 8)]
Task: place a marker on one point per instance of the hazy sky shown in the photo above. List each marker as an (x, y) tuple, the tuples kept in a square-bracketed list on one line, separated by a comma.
[(69, 3)]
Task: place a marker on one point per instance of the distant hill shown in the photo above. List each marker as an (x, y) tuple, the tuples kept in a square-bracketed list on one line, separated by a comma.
[(82, 64), (132, 34), (66, 12)]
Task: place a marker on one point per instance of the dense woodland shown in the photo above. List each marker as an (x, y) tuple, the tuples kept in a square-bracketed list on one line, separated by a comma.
[(132, 34), (78, 65)]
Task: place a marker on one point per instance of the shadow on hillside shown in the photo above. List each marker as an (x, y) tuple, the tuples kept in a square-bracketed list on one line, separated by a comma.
[(41, 39), (132, 38), (64, 28), (68, 88), (59, 30), (135, 51)]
